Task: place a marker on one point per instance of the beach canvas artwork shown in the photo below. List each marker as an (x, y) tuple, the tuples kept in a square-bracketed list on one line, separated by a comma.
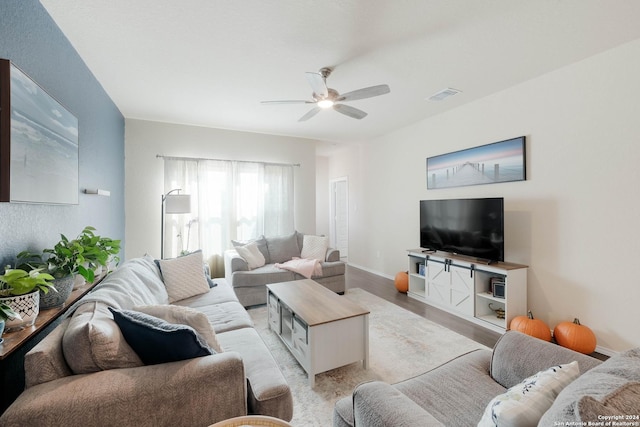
[(44, 145), (502, 161)]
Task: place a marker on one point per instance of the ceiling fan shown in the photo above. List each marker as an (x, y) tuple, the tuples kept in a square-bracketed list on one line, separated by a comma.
[(324, 97)]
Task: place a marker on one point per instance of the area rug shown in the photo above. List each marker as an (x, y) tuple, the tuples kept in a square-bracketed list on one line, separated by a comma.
[(401, 345)]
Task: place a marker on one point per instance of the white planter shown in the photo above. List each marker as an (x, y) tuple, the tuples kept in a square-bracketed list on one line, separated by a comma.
[(78, 281), (27, 306)]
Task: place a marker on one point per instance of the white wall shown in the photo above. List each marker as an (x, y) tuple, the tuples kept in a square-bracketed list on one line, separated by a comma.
[(144, 172), (575, 221)]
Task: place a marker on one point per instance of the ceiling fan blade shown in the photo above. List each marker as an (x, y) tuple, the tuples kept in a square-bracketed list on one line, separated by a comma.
[(309, 114), (348, 110), (317, 83), (293, 101), (367, 92)]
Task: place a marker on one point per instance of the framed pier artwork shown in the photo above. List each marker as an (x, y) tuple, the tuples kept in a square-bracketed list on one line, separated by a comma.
[(503, 161)]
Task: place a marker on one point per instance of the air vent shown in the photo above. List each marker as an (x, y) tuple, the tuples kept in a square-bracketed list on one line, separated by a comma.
[(444, 93)]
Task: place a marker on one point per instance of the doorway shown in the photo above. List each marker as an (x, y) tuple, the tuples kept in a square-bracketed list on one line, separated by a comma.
[(339, 216)]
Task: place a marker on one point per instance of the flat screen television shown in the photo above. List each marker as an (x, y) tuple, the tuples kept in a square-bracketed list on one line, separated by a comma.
[(472, 227)]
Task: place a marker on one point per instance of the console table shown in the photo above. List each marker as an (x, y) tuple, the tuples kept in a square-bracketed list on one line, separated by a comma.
[(16, 344)]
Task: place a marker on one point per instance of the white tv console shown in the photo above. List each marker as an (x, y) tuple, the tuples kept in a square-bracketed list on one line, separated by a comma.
[(461, 285)]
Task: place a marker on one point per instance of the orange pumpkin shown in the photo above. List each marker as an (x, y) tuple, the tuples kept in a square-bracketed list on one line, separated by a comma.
[(575, 336), (530, 326), (402, 281)]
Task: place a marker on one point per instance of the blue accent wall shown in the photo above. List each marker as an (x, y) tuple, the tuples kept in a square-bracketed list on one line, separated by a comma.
[(30, 39)]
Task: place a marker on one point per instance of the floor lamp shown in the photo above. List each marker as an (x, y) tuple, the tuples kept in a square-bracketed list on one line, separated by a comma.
[(172, 204)]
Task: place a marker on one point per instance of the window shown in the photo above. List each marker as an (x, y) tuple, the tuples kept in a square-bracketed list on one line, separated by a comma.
[(229, 200)]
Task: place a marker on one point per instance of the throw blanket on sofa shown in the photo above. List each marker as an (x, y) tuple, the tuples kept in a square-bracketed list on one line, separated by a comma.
[(304, 267)]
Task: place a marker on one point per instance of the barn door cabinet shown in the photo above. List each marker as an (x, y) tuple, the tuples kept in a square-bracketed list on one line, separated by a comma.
[(463, 286)]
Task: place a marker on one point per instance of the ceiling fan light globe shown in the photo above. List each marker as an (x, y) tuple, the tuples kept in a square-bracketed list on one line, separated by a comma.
[(325, 103)]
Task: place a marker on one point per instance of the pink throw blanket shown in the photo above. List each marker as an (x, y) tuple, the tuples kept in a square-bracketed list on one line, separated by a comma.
[(304, 267)]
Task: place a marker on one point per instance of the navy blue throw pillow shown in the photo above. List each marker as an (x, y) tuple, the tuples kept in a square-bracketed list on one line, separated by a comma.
[(157, 341)]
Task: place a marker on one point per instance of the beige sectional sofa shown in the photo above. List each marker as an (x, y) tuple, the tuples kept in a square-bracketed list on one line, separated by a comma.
[(86, 372), (250, 284)]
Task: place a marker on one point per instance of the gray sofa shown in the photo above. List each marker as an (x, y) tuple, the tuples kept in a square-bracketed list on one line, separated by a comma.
[(63, 388), (457, 393), (250, 284)]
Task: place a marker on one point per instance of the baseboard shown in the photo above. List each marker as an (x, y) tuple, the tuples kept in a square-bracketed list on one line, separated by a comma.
[(368, 270), (605, 351)]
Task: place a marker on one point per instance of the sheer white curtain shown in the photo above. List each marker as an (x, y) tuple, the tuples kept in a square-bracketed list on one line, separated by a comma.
[(229, 200), (278, 192)]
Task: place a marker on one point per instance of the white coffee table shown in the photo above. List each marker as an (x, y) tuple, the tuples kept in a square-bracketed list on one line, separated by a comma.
[(322, 329)]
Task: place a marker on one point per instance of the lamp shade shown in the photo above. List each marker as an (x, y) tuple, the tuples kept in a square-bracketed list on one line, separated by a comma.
[(177, 204)]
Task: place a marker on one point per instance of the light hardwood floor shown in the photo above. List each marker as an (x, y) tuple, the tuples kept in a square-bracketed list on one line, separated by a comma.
[(385, 288)]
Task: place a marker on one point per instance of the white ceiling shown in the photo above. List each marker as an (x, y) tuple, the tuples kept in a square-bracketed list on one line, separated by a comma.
[(211, 62)]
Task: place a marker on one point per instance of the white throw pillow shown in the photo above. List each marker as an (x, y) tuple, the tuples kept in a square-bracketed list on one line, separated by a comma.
[(314, 247), (251, 254), (180, 315), (524, 404), (184, 276)]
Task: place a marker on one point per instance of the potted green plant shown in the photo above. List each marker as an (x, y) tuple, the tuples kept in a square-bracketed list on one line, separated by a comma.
[(67, 258), (98, 251), (71, 259), (66, 261), (81, 255), (19, 290)]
